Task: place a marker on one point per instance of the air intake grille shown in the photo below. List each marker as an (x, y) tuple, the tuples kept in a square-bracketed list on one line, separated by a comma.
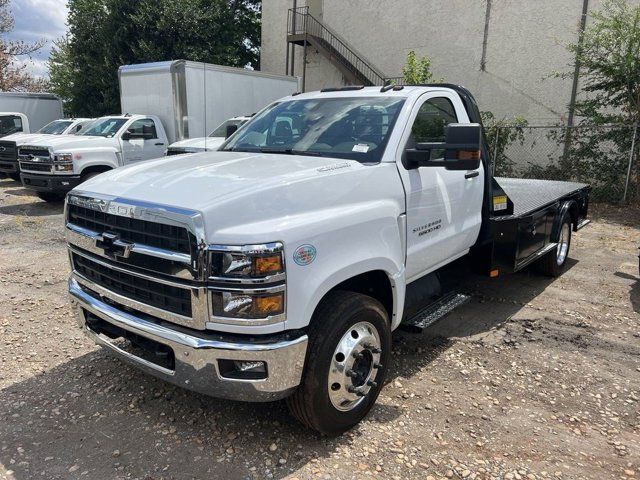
[(166, 297), (168, 237), (36, 167), (27, 151), (8, 151)]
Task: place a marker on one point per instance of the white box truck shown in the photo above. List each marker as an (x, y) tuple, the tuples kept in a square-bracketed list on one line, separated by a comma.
[(27, 112), (161, 103), (193, 98)]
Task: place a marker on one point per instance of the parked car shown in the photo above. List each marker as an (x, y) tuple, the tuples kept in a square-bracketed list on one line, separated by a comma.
[(8, 145), (278, 266), (212, 142)]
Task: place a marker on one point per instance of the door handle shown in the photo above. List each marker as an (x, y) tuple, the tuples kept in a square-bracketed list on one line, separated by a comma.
[(473, 174), (159, 144)]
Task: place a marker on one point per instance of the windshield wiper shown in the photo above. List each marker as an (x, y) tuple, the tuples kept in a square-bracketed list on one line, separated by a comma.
[(283, 151), (290, 151)]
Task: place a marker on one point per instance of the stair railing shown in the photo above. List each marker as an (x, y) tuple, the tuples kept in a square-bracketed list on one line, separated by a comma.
[(301, 22)]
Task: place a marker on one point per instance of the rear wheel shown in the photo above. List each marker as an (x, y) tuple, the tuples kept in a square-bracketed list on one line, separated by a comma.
[(50, 196), (554, 262), (349, 350)]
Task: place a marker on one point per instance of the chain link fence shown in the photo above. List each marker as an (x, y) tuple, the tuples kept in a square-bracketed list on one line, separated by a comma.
[(605, 156)]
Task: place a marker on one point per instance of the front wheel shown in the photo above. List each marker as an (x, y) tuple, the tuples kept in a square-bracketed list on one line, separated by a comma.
[(349, 351), (554, 262)]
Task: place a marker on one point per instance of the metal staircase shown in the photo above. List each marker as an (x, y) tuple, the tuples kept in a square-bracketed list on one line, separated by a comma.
[(305, 30)]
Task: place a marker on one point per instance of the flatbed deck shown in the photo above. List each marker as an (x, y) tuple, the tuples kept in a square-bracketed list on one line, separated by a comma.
[(529, 196)]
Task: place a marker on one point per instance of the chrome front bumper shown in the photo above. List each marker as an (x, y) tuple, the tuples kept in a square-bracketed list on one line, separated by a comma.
[(197, 353)]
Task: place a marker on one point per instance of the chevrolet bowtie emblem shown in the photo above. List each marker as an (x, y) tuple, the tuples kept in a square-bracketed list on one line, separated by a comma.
[(113, 246)]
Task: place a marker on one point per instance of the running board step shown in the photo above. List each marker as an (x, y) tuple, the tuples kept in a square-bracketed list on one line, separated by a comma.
[(583, 224), (437, 310)]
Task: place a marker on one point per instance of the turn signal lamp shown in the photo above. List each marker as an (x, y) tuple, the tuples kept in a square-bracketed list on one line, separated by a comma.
[(469, 155), (266, 265)]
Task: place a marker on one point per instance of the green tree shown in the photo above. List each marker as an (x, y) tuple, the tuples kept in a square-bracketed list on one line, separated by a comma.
[(609, 58), (417, 70), (14, 76), (105, 34), (500, 134)]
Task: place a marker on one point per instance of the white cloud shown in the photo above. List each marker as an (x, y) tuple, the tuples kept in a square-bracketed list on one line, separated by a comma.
[(36, 20)]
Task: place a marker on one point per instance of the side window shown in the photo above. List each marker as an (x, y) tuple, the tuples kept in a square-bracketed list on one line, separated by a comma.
[(144, 128), (434, 115), (429, 126), (17, 122)]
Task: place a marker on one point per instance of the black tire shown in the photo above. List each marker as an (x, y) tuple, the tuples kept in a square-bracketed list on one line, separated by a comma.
[(553, 263), (333, 319), (51, 196), (89, 175)]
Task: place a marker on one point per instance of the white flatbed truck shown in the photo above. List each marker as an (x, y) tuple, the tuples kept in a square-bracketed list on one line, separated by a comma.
[(278, 266)]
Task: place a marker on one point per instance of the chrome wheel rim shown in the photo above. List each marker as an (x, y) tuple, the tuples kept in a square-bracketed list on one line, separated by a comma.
[(563, 244), (354, 366)]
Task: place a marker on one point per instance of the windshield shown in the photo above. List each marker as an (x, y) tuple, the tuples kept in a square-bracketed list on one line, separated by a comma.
[(57, 127), (221, 131), (351, 128), (105, 127), (10, 124)]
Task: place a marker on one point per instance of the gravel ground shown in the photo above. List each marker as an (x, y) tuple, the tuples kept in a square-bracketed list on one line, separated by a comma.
[(534, 378)]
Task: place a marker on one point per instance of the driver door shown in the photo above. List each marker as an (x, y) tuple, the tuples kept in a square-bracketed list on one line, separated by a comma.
[(143, 143), (444, 207)]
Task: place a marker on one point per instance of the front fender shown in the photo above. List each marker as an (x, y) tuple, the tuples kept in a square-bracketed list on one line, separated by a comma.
[(103, 157), (396, 279), (347, 242)]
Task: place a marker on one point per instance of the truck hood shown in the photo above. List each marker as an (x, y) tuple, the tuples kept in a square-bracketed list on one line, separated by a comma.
[(212, 143), (22, 137), (29, 138), (240, 194), (64, 143)]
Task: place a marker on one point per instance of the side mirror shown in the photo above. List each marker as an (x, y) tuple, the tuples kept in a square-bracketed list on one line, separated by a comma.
[(231, 129), (462, 149), (126, 135)]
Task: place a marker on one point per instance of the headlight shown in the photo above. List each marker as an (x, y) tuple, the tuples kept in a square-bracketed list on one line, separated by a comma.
[(247, 282), (63, 157), (64, 167), (246, 305), (247, 262)]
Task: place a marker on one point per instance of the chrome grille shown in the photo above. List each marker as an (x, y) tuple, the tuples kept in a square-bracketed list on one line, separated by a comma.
[(165, 297), (28, 152), (167, 237), (36, 167), (8, 151), (140, 256)]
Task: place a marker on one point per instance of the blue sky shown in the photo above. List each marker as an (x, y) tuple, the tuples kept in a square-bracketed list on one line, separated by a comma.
[(39, 19)]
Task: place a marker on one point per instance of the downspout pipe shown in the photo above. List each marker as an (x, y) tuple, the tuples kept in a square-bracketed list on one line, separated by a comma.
[(576, 71)]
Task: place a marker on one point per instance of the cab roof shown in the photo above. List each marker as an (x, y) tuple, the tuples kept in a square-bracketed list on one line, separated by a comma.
[(400, 91)]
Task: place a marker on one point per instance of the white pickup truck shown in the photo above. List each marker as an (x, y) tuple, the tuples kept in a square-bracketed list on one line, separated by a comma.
[(9, 144), (279, 265), (212, 142), (55, 165)]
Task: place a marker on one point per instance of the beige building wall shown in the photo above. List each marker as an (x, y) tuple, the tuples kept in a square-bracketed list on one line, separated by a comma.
[(525, 45)]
